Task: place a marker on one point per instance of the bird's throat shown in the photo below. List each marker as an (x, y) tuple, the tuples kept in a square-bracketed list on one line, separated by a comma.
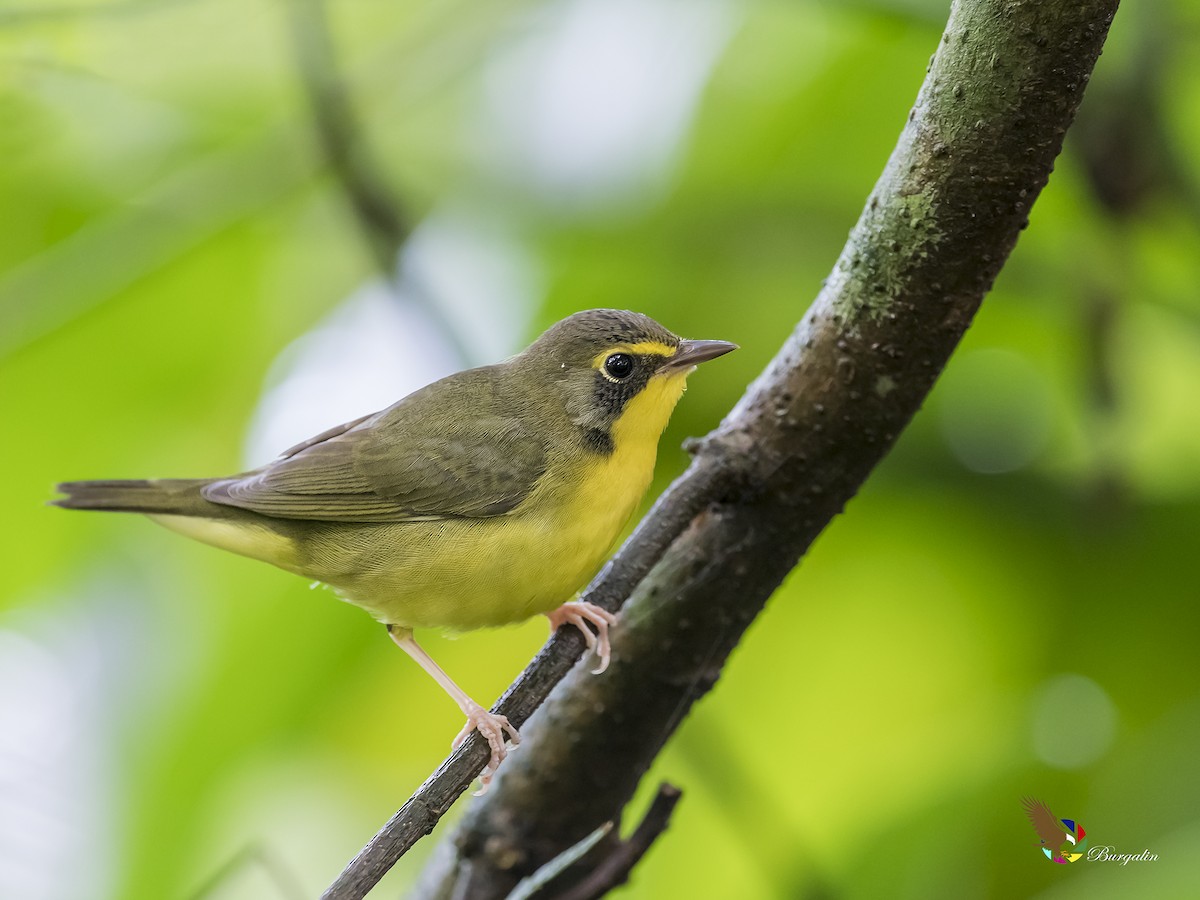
[(645, 416)]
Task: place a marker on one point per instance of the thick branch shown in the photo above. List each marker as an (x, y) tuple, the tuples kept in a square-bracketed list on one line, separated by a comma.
[(979, 146), (977, 149)]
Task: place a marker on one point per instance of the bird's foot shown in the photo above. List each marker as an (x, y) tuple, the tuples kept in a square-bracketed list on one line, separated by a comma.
[(497, 731), (579, 613)]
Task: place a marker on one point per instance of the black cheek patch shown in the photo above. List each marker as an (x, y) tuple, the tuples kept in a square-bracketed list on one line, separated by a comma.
[(611, 396), (609, 399), (598, 441)]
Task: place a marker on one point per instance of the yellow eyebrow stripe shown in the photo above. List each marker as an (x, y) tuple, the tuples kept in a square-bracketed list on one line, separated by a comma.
[(653, 348)]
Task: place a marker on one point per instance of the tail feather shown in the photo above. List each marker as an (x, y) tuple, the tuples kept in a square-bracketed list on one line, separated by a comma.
[(163, 496)]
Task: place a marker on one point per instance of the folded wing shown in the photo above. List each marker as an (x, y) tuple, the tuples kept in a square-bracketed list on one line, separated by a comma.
[(395, 466)]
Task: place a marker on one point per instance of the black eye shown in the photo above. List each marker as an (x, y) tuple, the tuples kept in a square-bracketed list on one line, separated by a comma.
[(619, 366)]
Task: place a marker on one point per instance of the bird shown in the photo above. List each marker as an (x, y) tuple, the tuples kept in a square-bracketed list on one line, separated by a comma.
[(480, 500)]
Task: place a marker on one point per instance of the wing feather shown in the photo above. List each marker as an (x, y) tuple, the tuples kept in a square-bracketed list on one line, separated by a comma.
[(393, 466)]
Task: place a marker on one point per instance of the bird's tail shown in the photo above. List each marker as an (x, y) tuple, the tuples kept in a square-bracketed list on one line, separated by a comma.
[(161, 496)]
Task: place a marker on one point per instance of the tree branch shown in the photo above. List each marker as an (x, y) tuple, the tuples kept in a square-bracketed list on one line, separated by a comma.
[(977, 149)]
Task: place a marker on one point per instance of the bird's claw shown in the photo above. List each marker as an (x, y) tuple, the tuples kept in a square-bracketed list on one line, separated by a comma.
[(580, 613), (497, 731)]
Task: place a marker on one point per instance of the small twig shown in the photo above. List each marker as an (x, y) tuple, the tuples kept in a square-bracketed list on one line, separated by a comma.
[(376, 210), (528, 887), (380, 215), (613, 871), (277, 871)]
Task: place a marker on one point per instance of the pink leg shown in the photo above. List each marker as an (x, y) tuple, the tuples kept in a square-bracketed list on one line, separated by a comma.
[(579, 613), (493, 728)]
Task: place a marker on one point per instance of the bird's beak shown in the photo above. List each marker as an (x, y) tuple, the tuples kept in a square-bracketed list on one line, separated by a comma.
[(690, 353)]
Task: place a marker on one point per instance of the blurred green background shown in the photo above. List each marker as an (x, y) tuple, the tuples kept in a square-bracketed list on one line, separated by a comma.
[(1008, 608)]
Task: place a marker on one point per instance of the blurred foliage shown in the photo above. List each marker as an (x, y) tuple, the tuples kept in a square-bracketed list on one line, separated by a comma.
[(170, 230)]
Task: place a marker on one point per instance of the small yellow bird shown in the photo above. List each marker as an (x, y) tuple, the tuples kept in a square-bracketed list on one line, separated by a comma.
[(480, 500)]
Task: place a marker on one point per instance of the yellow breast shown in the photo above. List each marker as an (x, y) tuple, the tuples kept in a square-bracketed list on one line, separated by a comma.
[(610, 488)]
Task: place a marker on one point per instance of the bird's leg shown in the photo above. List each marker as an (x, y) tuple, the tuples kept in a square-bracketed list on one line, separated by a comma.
[(579, 613), (495, 729)]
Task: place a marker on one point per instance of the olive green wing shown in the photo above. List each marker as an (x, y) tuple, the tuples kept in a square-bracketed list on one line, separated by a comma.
[(387, 468), (326, 435)]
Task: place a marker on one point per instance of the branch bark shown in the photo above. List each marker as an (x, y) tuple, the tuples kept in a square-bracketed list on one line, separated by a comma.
[(978, 147)]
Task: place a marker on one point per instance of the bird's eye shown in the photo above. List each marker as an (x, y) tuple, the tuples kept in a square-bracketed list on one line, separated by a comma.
[(618, 366)]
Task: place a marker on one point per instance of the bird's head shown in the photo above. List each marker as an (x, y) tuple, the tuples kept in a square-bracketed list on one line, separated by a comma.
[(618, 373)]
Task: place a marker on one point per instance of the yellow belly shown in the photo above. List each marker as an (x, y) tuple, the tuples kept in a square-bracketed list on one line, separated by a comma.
[(463, 573)]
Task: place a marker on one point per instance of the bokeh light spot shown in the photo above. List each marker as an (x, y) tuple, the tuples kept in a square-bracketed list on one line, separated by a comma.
[(1074, 722), (995, 411)]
